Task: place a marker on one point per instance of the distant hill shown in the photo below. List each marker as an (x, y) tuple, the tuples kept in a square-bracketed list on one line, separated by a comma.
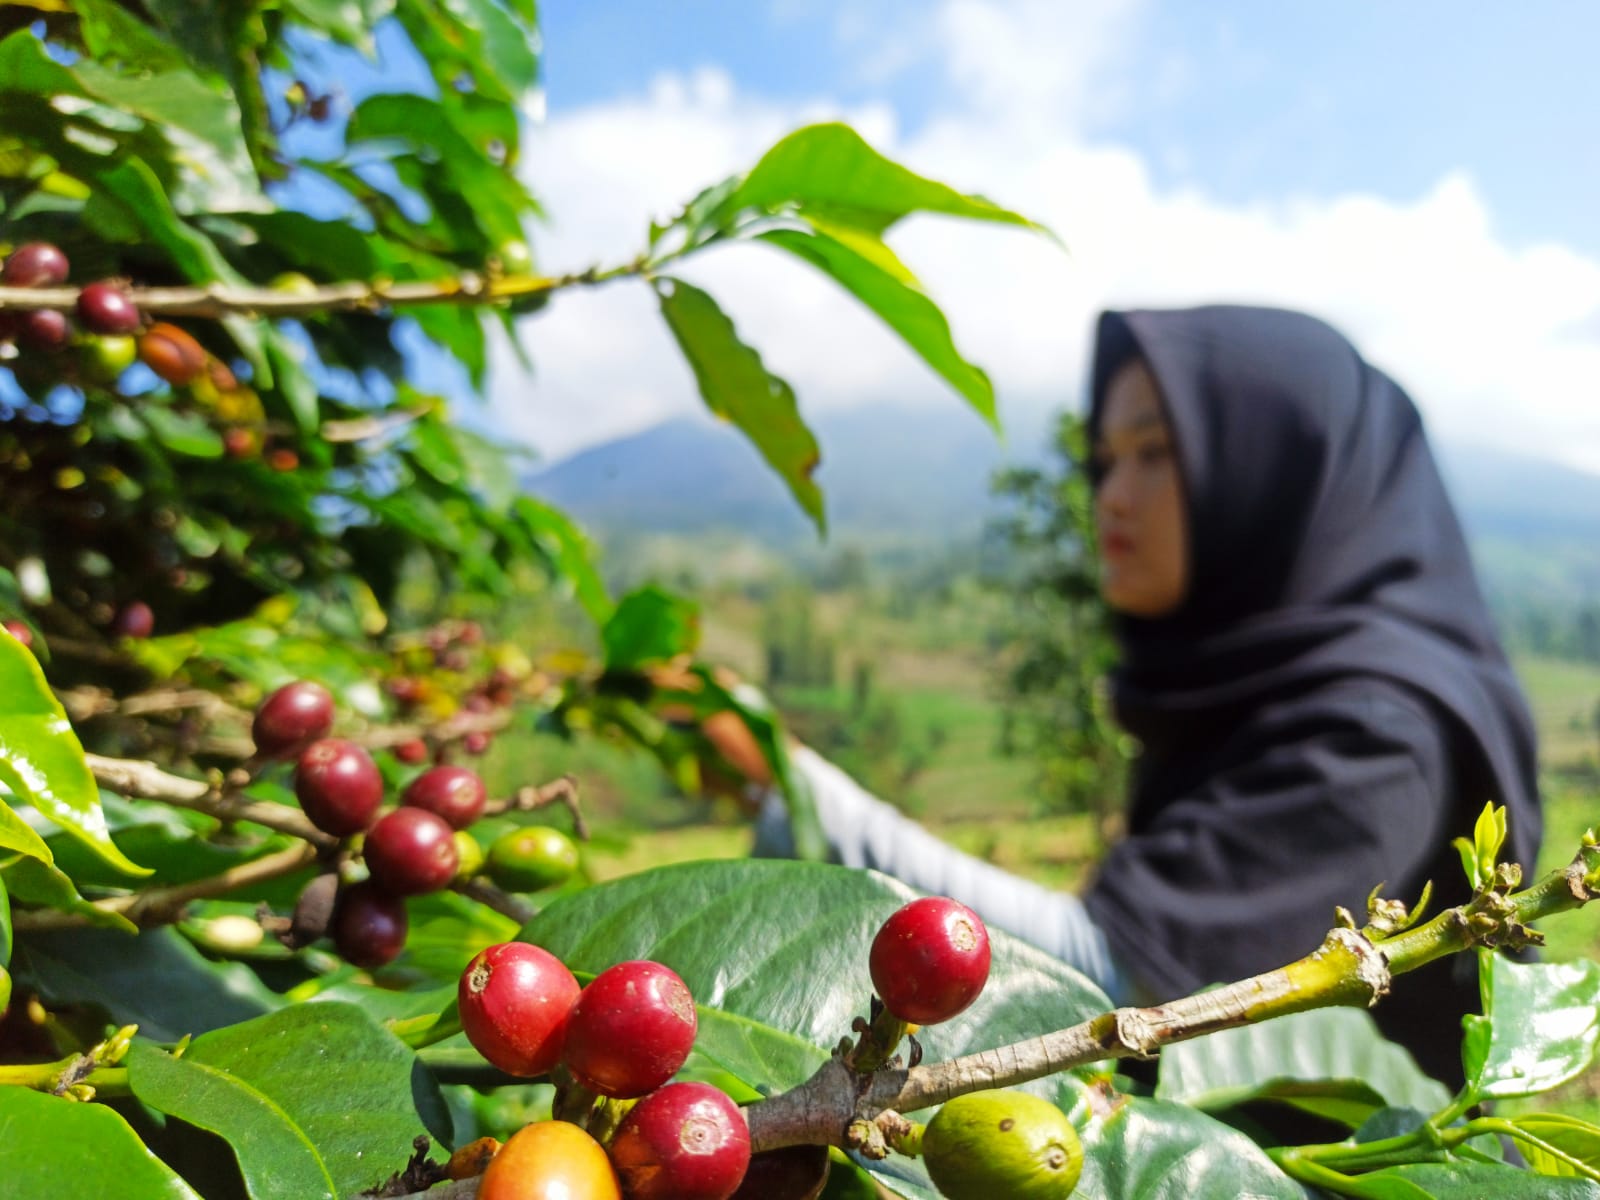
[(894, 475)]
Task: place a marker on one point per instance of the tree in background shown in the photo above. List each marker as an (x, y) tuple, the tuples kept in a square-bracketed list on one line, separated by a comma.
[(1057, 647)]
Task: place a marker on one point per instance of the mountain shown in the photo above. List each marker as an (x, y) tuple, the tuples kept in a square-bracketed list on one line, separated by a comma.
[(887, 473), (896, 476)]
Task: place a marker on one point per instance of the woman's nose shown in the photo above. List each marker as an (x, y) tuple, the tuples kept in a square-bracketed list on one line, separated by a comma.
[(1114, 496)]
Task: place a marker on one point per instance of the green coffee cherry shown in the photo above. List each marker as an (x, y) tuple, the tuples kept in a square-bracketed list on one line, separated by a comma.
[(1002, 1143), (531, 858)]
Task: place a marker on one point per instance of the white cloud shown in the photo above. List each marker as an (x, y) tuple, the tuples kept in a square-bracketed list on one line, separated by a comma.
[(1496, 343)]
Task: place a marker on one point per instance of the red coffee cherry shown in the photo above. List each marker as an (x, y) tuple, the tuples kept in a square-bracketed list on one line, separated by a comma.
[(412, 752), (369, 925), (172, 353), (44, 329), (35, 264), (134, 620), (411, 852), (515, 1002), (454, 794), (19, 631), (103, 307), (295, 714), (930, 960), (239, 442), (687, 1141), (476, 742), (283, 459), (632, 1029), (339, 786)]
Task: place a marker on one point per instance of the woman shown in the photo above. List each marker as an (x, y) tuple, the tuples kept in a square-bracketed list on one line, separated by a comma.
[(1307, 663)]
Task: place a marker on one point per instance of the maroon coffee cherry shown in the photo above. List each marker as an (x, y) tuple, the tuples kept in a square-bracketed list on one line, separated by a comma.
[(412, 752), (454, 794), (44, 329), (19, 631), (294, 715), (103, 307), (35, 264), (792, 1173), (339, 786), (632, 1029), (515, 1002), (411, 852), (476, 742), (369, 925), (930, 960), (134, 619), (687, 1141)]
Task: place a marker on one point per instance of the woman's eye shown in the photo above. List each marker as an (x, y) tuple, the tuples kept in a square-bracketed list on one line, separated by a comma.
[(1154, 453)]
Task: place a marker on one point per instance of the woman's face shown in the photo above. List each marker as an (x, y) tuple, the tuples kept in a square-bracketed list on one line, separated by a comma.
[(1139, 505)]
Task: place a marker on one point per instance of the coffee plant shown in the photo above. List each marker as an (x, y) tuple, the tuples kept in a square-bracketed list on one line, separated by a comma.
[(264, 929)]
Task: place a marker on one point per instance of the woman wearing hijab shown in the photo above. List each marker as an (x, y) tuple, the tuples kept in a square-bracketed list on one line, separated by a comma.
[(1307, 662)]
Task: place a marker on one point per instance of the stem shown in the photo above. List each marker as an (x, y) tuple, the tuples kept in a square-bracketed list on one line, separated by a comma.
[(216, 300), (1511, 1130), (164, 905)]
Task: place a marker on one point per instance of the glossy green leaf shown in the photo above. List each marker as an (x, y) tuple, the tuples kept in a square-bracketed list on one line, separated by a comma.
[(829, 171), (1572, 1136), (1478, 1181), (355, 1092), (16, 835), (5, 929), (1155, 1150), (51, 1147), (41, 760), (870, 271), (349, 21), (738, 388), (38, 884), (650, 625), (782, 947), (1333, 1062), (277, 1158), (157, 980), (1539, 1030)]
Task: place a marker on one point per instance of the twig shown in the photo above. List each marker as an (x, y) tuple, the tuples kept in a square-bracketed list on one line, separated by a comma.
[(164, 905), (146, 781), (562, 791), (487, 894)]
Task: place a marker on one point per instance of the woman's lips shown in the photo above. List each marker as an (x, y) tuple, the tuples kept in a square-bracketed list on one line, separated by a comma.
[(1116, 545)]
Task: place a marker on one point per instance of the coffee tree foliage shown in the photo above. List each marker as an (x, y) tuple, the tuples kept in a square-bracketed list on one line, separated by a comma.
[(299, 508)]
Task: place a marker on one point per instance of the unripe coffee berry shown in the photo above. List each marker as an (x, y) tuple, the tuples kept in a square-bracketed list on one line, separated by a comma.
[(105, 308), (631, 1030), (930, 960), (369, 925), (515, 1002), (687, 1141), (411, 852), (294, 715), (35, 264), (454, 794), (549, 1160), (339, 786)]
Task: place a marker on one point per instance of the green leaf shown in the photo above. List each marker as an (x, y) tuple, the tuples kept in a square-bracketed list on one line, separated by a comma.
[(1539, 1030), (831, 173), (1488, 836), (1333, 1062), (57, 1147), (17, 835), (867, 268), (277, 1158), (183, 433), (738, 388), (41, 760), (36, 883), (1574, 1137), (352, 1088), (5, 930), (570, 553), (347, 21), (650, 625), (1155, 1150), (1478, 1181), (157, 980), (780, 949)]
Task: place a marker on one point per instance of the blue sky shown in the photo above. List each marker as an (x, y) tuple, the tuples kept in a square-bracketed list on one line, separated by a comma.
[(1425, 174)]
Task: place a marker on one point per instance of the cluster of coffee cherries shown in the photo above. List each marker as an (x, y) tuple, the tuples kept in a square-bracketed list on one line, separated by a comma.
[(417, 847), (451, 667), (627, 1033)]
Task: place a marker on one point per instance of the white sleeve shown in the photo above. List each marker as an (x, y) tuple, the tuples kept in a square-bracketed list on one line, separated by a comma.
[(863, 831)]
